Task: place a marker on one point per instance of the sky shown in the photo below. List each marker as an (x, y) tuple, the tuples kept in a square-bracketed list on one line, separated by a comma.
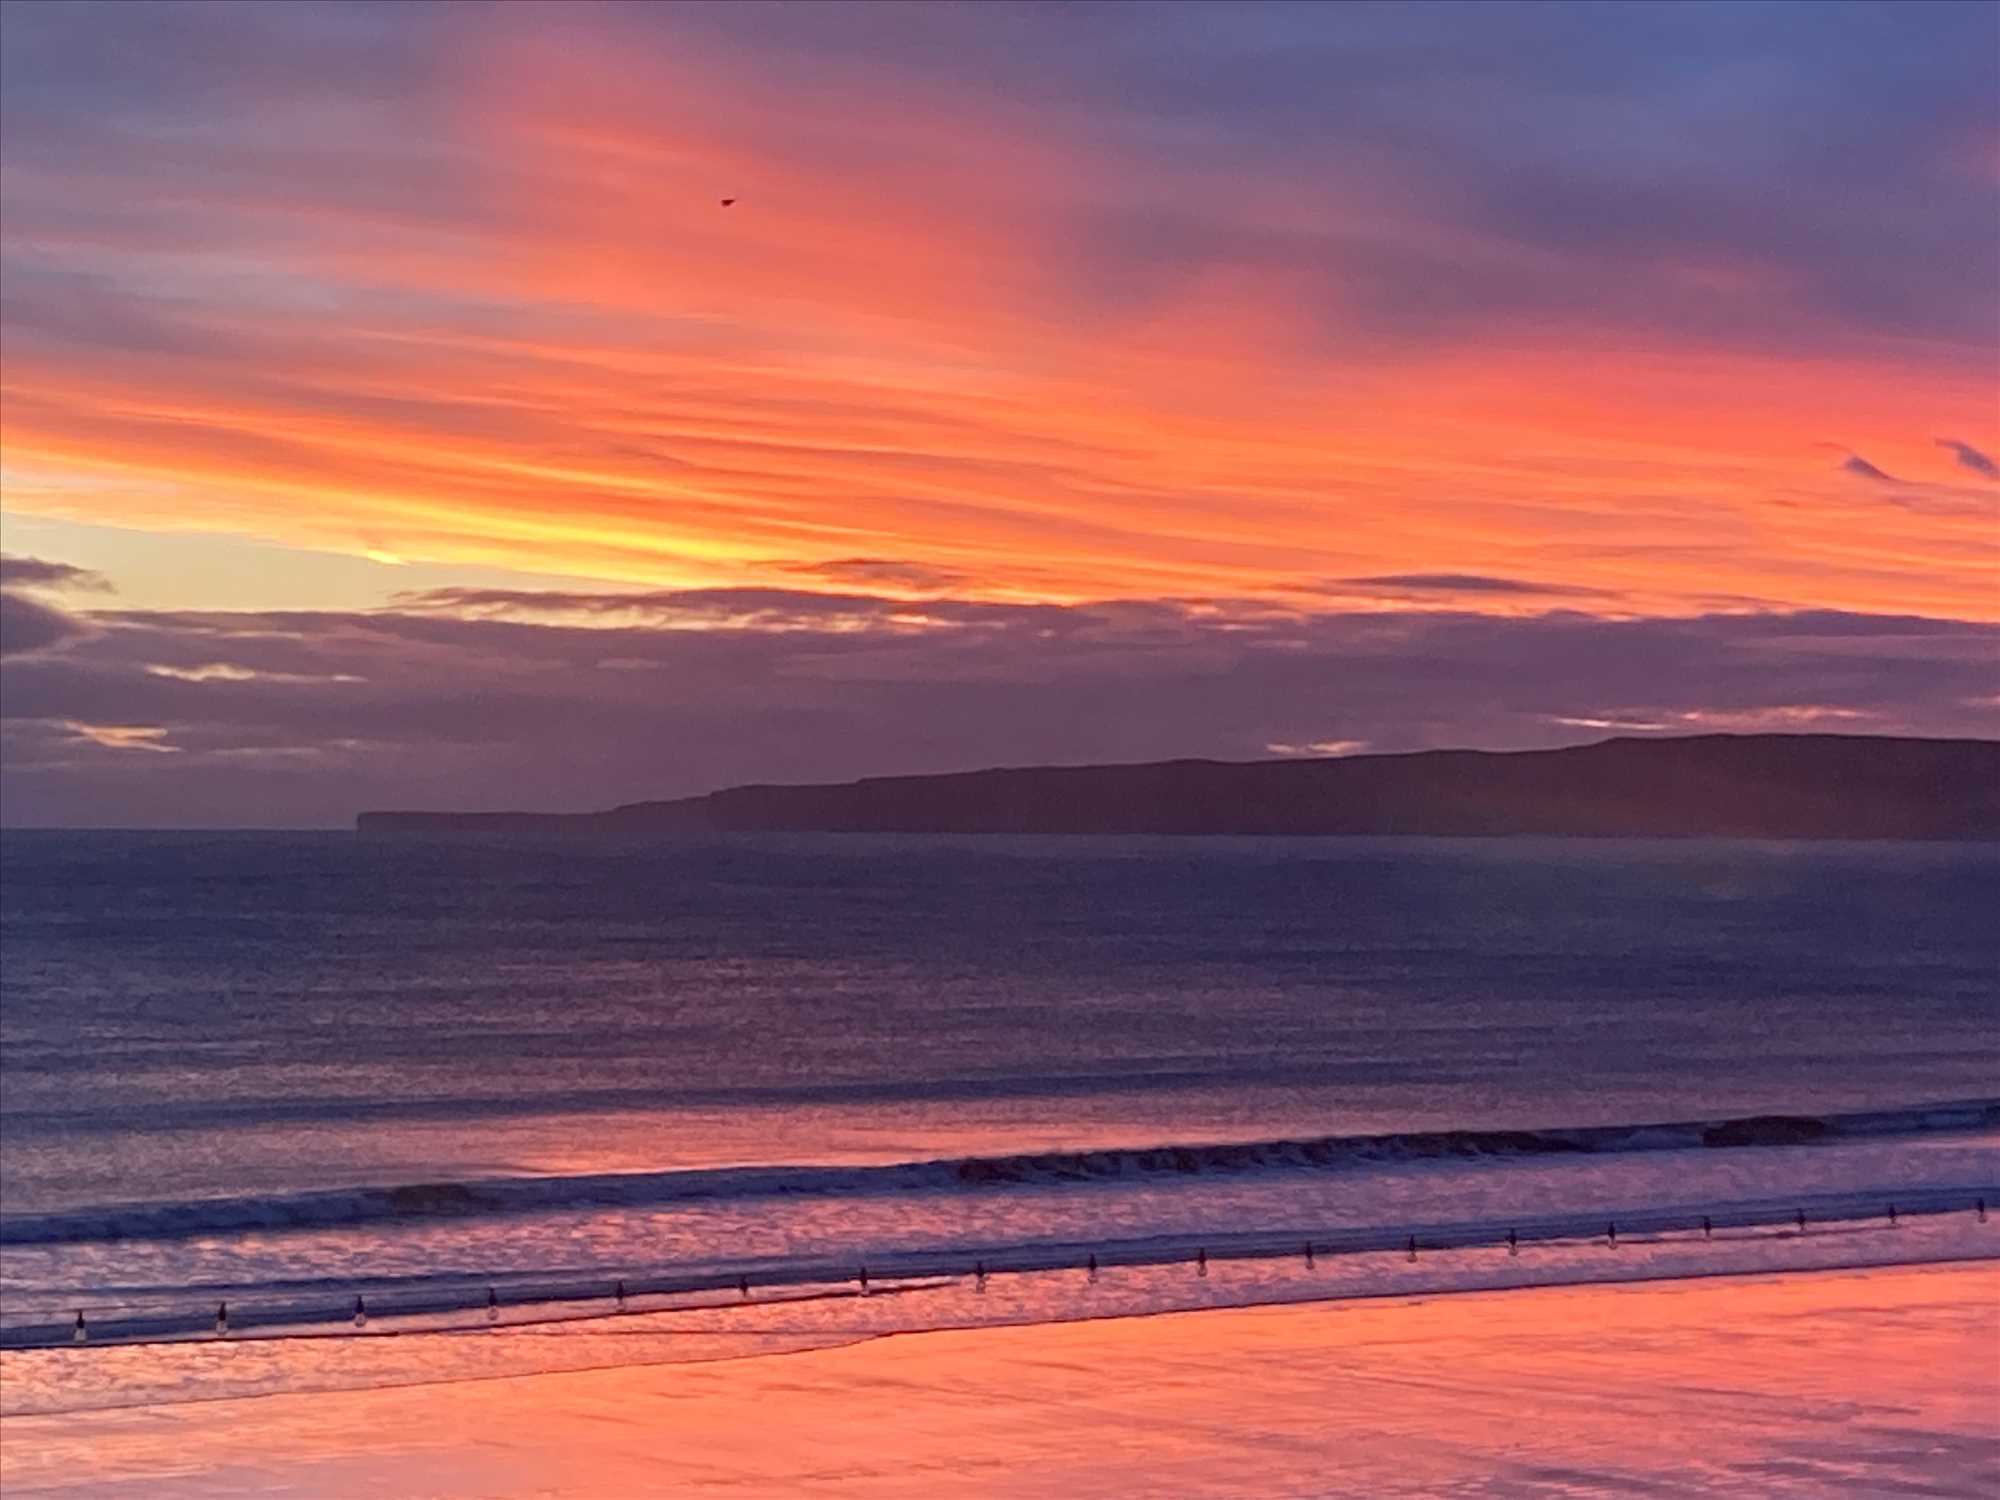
[(392, 415)]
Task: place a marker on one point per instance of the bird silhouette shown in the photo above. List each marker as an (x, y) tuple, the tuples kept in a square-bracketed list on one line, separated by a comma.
[(727, 201)]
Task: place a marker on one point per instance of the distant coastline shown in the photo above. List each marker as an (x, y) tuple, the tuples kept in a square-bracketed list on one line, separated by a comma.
[(1717, 786)]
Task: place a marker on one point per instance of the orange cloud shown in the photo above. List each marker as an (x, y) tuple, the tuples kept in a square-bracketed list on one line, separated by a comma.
[(993, 338)]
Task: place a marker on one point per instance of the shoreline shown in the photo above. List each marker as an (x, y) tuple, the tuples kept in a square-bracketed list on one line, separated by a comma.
[(1818, 1359), (644, 1315), (1057, 1284)]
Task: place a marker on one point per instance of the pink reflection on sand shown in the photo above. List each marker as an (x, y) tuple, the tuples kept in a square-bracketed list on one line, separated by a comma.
[(1857, 1381)]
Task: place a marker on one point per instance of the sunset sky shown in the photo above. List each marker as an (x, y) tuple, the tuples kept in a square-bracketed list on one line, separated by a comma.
[(394, 416)]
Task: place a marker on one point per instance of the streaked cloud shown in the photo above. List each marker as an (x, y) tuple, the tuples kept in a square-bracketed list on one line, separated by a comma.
[(768, 610), (147, 737), (881, 572), (1056, 304), (1622, 726), (1775, 718), (222, 671), (1462, 583)]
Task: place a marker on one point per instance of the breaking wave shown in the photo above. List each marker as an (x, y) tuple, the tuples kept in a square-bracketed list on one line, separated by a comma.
[(505, 1195)]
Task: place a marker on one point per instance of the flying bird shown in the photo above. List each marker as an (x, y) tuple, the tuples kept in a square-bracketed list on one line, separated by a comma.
[(727, 201)]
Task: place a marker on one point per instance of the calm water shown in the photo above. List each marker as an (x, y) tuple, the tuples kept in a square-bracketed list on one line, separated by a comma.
[(279, 1064)]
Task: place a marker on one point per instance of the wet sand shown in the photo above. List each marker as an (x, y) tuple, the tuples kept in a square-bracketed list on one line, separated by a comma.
[(1848, 1382)]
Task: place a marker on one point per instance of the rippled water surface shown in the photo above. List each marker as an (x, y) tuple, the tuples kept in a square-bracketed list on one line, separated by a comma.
[(278, 1068)]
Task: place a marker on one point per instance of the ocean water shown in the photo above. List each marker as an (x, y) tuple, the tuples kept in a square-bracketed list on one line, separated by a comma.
[(284, 1071)]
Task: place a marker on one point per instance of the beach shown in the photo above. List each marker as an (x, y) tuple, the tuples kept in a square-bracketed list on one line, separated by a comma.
[(1877, 1381)]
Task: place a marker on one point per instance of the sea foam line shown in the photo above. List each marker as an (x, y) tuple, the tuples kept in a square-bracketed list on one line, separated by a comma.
[(894, 1270)]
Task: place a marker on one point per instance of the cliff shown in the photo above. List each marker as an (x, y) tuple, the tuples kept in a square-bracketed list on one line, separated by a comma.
[(1724, 786)]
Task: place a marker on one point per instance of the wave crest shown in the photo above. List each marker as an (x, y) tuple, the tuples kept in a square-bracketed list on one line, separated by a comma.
[(340, 1207)]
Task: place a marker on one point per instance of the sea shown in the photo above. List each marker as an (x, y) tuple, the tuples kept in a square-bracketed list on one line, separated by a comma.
[(368, 1111)]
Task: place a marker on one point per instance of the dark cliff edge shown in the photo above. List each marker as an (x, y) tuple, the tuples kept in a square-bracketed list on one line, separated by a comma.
[(1716, 786)]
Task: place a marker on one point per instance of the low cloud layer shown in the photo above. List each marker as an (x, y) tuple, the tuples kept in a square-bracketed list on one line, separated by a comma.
[(566, 701)]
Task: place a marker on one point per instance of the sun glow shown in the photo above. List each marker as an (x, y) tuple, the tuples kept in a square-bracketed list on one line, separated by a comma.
[(954, 333)]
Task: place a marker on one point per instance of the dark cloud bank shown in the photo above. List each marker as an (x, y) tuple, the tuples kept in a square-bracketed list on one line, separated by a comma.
[(27, 623), (498, 699)]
